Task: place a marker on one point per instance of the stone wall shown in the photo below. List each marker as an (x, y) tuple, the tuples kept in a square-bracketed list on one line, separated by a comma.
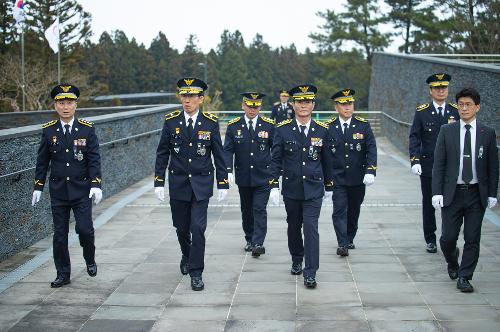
[(128, 144), (398, 85)]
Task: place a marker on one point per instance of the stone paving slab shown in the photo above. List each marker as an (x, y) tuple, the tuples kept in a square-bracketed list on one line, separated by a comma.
[(388, 283)]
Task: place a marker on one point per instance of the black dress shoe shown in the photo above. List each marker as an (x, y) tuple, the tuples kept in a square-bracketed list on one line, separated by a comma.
[(92, 269), (296, 268), (431, 248), (453, 266), (184, 266), (258, 250), (351, 246), (310, 282), (342, 251), (464, 285), (59, 282), (248, 247), (197, 284)]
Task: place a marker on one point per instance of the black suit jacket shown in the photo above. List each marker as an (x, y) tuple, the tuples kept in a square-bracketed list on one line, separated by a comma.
[(447, 162)]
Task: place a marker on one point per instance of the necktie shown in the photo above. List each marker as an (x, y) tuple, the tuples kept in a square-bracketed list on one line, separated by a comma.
[(441, 113), (467, 161), (67, 133), (190, 127), (250, 127), (345, 131), (303, 132)]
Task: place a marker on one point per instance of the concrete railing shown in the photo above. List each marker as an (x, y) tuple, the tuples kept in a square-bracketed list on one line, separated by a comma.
[(128, 143)]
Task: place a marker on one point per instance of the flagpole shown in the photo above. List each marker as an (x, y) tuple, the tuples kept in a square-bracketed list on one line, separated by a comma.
[(58, 49), (23, 77)]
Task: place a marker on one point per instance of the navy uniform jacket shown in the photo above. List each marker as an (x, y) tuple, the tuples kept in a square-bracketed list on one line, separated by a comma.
[(307, 166), (357, 156), (190, 166), (424, 132), (252, 155), (279, 115), (75, 166)]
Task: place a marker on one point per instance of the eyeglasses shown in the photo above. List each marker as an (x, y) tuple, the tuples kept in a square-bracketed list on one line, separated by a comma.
[(465, 105)]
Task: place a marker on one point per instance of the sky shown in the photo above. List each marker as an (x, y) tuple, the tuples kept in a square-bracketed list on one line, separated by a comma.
[(280, 22)]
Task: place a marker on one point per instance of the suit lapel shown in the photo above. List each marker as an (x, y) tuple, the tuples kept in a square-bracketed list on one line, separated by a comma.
[(456, 142), (479, 141)]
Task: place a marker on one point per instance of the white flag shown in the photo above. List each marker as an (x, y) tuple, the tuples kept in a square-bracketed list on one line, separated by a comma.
[(52, 36), (18, 11)]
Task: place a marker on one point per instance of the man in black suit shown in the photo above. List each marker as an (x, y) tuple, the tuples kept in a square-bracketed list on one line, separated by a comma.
[(464, 183), (428, 119)]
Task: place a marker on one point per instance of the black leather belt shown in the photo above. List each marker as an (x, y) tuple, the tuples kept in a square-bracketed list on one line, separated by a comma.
[(467, 186)]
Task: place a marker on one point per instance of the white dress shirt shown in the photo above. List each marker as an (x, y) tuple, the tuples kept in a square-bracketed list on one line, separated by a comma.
[(70, 125), (443, 107), (308, 124), (194, 117), (348, 121), (473, 150), (254, 122)]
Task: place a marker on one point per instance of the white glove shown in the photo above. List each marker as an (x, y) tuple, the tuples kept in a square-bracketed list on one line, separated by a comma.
[(492, 201), (275, 196), (416, 169), (230, 178), (97, 193), (328, 196), (222, 194), (160, 193), (369, 179), (36, 197), (437, 201)]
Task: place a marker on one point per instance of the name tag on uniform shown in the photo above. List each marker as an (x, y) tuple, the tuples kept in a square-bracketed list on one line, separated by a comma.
[(204, 135), (358, 136), (263, 134), (451, 119), (316, 141)]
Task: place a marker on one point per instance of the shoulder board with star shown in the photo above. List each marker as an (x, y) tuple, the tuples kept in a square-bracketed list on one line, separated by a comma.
[(172, 115), (268, 120), (422, 107), (48, 124), (282, 123), (453, 105), (234, 121), (321, 124), (277, 103), (85, 123), (332, 120), (360, 119), (210, 116)]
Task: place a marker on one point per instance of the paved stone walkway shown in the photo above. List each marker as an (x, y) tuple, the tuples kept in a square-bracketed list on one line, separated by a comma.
[(388, 283)]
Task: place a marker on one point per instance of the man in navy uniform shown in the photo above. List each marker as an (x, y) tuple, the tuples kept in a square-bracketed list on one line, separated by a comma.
[(300, 148), (70, 146), (188, 141), (282, 110), (464, 183), (354, 153), (250, 138), (428, 119)]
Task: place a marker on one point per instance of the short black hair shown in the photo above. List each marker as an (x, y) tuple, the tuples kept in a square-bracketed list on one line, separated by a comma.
[(469, 92)]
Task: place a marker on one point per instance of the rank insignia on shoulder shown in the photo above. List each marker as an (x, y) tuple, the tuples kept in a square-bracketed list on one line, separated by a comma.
[(172, 115), (277, 103), (268, 120), (330, 121), (360, 119), (85, 123), (453, 105), (284, 122), (321, 124), (422, 107), (233, 121), (210, 116), (48, 124)]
